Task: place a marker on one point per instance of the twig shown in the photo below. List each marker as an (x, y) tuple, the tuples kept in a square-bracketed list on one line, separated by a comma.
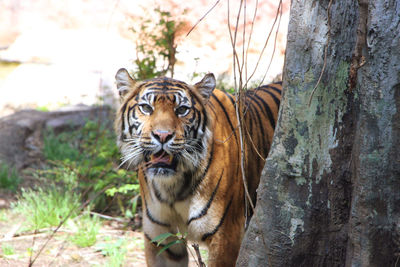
[(11, 233), (239, 112), (216, 3), (110, 217), (266, 42), (196, 248), (81, 207), (254, 146), (273, 51), (250, 35), (33, 235), (325, 52), (26, 233)]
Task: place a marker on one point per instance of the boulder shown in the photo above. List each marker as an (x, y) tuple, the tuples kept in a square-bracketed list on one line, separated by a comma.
[(21, 133)]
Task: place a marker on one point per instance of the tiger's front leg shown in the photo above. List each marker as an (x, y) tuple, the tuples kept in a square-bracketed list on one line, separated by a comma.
[(175, 255), (224, 245), (171, 257)]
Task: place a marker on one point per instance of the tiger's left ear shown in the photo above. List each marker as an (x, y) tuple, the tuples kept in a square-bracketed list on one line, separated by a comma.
[(206, 85), (124, 82)]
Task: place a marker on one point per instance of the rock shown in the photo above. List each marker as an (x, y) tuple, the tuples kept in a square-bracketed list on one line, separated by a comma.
[(21, 133)]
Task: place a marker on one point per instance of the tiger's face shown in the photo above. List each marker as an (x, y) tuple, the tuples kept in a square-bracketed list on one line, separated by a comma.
[(163, 126)]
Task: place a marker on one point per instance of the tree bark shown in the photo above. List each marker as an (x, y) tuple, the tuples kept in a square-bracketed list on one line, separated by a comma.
[(329, 194)]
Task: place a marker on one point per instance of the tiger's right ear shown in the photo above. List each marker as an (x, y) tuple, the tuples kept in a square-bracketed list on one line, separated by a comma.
[(124, 82)]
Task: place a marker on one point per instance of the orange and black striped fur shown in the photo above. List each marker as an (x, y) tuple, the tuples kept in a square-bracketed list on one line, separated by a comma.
[(184, 140)]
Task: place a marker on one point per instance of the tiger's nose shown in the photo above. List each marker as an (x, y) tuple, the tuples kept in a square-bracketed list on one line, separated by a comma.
[(162, 136)]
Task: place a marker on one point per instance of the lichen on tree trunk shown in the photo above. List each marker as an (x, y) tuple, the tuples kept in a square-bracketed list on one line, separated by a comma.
[(330, 191)]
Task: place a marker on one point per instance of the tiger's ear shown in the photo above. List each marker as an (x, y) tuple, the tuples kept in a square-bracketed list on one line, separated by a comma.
[(206, 85), (124, 82)]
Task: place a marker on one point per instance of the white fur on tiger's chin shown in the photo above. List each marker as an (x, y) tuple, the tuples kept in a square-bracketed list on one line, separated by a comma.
[(169, 185)]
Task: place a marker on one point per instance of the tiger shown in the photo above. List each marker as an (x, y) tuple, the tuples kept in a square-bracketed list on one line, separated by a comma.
[(185, 143)]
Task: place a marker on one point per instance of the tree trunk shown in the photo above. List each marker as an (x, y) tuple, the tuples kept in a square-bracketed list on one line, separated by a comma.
[(329, 194)]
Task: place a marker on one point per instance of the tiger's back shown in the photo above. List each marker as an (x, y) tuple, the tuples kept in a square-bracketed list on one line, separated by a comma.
[(190, 170)]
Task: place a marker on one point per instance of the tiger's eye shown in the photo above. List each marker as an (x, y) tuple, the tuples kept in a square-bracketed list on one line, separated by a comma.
[(146, 109), (182, 110)]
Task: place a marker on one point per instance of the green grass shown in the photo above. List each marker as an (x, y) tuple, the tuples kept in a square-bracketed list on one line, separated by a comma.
[(43, 108), (44, 208), (115, 252), (86, 228), (7, 249), (4, 215), (87, 160), (59, 147), (9, 178)]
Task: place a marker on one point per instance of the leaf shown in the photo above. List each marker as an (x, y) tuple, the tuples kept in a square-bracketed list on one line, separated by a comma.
[(134, 204), (169, 245), (160, 238)]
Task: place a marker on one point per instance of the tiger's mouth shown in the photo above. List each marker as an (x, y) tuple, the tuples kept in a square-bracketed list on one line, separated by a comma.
[(161, 159)]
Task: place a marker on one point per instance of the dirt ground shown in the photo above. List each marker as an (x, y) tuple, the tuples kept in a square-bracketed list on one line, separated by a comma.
[(57, 251)]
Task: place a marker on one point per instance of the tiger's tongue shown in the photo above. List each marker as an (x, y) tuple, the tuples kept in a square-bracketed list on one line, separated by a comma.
[(161, 158)]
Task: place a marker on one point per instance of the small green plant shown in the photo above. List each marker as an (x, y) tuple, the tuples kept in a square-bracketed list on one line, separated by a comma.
[(178, 238), (59, 147), (86, 228), (156, 45), (43, 108), (9, 178), (7, 249), (86, 160), (46, 208), (124, 190), (115, 251), (3, 215)]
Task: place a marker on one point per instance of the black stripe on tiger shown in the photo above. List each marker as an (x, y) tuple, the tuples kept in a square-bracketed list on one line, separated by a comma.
[(181, 196), (196, 127), (208, 204), (185, 190), (230, 98), (152, 219), (226, 115), (171, 255), (254, 114), (276, 89), (201, 178), (123, 109), (157, 193), (206, 235), (164, 84), (265, 107), (276, 100)]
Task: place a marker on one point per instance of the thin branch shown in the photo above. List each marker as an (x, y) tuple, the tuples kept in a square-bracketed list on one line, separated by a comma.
[(250, 35), (254, 145), (243, 46), (200, 260), (216, 3), (239, 112), (273, 51), (266, 42), (80, 207), (233, 42), (325, 53), (110, 217)]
